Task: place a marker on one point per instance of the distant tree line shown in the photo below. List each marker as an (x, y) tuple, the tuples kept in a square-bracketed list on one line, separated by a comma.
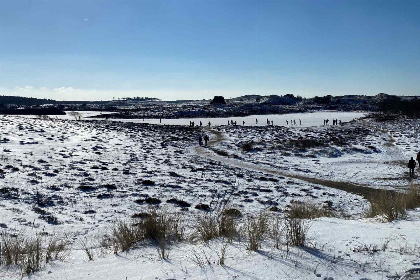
[(397, 105), (29, 101)]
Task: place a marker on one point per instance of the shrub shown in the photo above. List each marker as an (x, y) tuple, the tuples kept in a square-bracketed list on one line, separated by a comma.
[(257, 229), (296, 230), (247, 146), (277, 231), (207, 227)]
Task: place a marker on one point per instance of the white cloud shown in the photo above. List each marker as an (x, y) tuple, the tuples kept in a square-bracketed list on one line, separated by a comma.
[(63, 89)]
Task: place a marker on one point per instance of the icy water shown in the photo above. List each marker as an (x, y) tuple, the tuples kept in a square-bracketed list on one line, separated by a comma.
[(306, 119)]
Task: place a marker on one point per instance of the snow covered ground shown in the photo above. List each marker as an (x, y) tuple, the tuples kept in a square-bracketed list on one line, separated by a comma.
[(63, 176)]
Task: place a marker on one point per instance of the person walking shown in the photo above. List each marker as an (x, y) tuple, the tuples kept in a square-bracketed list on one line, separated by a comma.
[(206, 139), (411, 166), (200, 140)]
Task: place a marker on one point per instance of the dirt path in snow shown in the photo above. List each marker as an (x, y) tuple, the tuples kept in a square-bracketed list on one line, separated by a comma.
[(361, 190)]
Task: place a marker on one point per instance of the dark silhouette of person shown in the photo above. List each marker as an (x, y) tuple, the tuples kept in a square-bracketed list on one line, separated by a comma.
[(418, 158), (209, 124), (201, 124), (200, 140), (256, 121), (300, 122), (287, 122), (411, 166), (206, 139), (243, 123)]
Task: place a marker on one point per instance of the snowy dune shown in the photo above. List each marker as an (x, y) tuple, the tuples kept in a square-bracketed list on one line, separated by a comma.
[(79, 177)]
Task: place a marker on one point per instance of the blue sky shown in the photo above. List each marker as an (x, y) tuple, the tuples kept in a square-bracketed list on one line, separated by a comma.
[(176, 49)]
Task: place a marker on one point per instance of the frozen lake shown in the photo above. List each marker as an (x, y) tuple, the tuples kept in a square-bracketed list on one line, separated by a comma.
[(307, 119)]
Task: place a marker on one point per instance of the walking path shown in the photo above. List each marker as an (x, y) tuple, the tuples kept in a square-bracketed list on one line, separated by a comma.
[(361, 190)]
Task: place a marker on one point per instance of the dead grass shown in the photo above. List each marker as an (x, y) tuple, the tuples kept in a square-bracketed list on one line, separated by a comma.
[(393, 206), (308, 210), (31, 253), (257, 228), (214, 225), (296, 232), (160, 228)]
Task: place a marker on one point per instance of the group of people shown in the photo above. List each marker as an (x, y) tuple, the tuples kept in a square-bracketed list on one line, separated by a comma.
[(293, 122), (412, 164), (204, 137), (201, 124), (335, 122)]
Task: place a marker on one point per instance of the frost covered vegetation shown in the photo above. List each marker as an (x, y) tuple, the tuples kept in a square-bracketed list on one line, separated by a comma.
[(328, 201)]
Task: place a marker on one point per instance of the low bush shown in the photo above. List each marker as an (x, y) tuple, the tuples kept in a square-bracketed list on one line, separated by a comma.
[(257, 229), (296, 230)]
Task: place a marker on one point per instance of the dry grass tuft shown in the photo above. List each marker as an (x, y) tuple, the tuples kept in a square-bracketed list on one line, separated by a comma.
[(296, 232), (393, 205), (257, 229), (160, 228), (308, 210), (215, 225), (31, 253)]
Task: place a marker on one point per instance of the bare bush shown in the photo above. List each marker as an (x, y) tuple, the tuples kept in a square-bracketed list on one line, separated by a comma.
[(277, 231), (207, 227), (257, 229), (57, 249), (296, 230)]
